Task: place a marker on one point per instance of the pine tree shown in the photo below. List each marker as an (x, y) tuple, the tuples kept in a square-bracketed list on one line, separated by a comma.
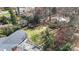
[(12, 15)]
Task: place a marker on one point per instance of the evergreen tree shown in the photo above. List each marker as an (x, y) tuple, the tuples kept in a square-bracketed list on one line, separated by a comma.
[(12, 15)]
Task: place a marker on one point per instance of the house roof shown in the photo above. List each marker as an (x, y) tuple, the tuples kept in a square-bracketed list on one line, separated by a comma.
[(13, 40)]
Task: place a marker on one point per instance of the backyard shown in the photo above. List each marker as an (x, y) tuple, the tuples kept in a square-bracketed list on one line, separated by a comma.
[(49, 28)]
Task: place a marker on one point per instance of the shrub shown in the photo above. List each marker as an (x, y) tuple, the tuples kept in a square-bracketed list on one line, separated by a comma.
[(36, 19), (49, 40), (53, 25), (36, 38), (12, 15), (29, 18), (35, 35), (4, 20), (66, 47), (8, 29), (13, 18)]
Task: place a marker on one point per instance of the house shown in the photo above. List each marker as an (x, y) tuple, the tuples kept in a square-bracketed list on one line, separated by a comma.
[(17, 41)]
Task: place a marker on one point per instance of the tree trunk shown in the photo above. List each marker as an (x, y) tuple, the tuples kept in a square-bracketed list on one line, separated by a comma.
[(18, 11)]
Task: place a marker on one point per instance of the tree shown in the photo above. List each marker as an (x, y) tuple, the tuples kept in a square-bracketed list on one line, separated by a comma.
[(54, 10), (36, 19), (12, 15), (13, 18), (18, 11)]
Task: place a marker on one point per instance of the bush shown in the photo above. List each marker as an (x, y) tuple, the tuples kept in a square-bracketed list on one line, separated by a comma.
[(31, 21), (36, 34), (4, 20), (49, 40), (36, 38), (34, 20), (12, 15), (53, 25), (29, 18), (66, 47), (13, 18), (8, 29)]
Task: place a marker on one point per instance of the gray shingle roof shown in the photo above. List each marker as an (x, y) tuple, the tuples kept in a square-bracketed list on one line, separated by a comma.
[(13, 40), (17, 39)]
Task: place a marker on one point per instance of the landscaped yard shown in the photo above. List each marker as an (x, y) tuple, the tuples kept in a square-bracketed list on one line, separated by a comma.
[(35, 34), (45, 27)]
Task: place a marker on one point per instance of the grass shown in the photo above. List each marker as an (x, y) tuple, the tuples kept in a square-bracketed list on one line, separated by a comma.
[(35, 34)]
